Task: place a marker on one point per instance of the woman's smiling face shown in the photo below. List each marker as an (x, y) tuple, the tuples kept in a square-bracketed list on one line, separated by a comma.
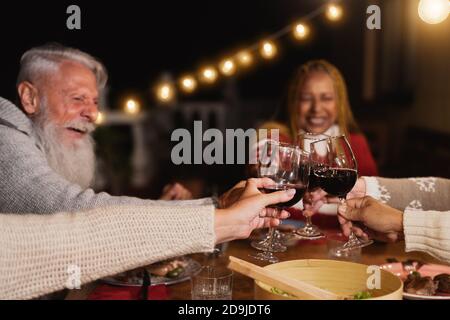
[(317, 108)]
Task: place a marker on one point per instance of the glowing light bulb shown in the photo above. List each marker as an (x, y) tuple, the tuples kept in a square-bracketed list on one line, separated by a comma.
[(100, 118), (334, 12), (244, 58), (132, 107), (208, 75), (301, 31), (268, 50), (433, 11), (188, 84), (227, 67), (165, 92)]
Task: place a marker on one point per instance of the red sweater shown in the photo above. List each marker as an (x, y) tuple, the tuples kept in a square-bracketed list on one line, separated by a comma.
[(363, 155)]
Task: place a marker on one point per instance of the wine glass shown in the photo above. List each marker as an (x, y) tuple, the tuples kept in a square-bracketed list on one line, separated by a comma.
[(288, 167), (304, 141), (336, 173)]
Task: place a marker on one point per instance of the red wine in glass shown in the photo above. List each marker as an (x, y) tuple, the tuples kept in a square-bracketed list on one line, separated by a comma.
[(300, 190), (314, 180), (336, 181)]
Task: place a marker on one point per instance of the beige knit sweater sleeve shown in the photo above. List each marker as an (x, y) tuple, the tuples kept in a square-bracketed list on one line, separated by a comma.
[(428, 231), (39, 252)]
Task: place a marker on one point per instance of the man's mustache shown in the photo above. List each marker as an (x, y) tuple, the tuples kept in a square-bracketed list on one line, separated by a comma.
[(80, 125)]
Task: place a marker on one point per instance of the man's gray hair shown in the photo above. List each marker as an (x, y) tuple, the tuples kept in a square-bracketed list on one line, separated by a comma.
[(38, 62)]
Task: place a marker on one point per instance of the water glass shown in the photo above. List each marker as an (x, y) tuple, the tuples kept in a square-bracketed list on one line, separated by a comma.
[(212, 283)]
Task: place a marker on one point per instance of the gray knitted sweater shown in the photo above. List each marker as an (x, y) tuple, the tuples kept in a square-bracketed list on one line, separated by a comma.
[(29, 185)]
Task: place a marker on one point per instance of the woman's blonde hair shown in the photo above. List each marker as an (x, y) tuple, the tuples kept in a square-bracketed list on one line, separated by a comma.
[(345, 118)]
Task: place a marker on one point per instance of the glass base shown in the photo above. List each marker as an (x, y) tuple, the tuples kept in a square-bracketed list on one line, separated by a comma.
[(354, 243), (309, 232), (263, 246), (345, 255), (265, 256)]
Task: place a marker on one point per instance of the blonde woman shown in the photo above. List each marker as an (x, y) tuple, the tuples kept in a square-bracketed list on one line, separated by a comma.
[(318, 103)]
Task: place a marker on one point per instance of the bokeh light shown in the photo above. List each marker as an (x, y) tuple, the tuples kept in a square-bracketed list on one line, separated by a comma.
[(334, 12), (433, 11), (208, 74), (268, 50)]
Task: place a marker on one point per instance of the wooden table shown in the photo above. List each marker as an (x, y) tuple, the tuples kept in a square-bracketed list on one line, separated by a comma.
[(243, 286)]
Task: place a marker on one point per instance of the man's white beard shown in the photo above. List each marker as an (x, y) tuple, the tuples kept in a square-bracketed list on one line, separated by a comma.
[(75, 162)]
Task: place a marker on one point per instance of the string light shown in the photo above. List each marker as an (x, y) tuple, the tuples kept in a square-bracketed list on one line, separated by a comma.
[(132, 107), (268, 50), (301, 31), (244, 58), (188, 84), (334, 12), (100, 118), (433, 11), (165, 92), (208, 75), (227, 67)]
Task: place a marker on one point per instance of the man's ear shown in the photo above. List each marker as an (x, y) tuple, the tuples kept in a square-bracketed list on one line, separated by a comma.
[(29, 97)]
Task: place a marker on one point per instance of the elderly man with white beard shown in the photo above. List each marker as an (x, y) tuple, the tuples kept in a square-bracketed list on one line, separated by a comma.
[(58, 93), (51, 220)]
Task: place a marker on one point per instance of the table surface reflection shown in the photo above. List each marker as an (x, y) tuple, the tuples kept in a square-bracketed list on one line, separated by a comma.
[(243, 287)]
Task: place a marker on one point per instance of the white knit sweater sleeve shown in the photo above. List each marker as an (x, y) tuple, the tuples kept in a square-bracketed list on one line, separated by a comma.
[(428, 231), (38, 252)]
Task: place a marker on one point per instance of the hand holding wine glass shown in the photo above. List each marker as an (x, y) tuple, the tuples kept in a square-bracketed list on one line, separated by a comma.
[(337, 175), (288, 168), (367, 217), (249, 211), (314, 200)]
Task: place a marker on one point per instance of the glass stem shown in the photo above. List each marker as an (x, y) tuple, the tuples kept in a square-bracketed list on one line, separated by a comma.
[(270, 240), (352, 236), (308, 221), (272, 235)]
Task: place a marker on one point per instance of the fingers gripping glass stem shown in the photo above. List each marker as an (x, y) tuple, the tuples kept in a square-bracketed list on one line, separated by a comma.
[(353, 241)]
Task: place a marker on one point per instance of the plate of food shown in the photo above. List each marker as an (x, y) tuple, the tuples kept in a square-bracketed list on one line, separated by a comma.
[(422, 281), (164, 272)]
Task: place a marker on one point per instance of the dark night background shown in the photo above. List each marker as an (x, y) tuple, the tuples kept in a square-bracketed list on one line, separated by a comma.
[(138, 41)]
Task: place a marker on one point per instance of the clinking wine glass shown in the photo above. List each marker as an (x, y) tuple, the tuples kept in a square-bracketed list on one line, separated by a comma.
[(288, 167), (272, 241), (304, 141), (336, 173)]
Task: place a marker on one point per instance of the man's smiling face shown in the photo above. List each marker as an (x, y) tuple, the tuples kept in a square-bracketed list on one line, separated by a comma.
[(71, 97)]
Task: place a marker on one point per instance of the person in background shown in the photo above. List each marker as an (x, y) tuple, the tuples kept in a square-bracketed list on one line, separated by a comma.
[(414, 209), (318, 103)]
